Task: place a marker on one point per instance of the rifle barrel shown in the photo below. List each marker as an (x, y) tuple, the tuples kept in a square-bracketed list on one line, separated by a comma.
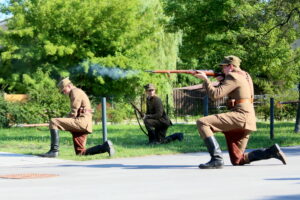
[(207, 72)]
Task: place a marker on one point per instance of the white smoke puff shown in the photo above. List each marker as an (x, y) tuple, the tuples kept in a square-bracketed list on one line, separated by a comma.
[(98, 70), (114, 73)]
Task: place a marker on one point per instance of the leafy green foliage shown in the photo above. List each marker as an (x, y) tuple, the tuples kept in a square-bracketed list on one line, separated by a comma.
[(259, 32), (44, 93), (45, 101), (116, 112), (60, 35), (5, 109), (120, 112)]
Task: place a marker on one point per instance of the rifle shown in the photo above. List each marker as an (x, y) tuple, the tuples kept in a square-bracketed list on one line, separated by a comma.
[(30, 125), (136, 112), (191, 71)]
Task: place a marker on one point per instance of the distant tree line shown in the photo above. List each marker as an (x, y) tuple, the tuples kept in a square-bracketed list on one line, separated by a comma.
[(80, 39)]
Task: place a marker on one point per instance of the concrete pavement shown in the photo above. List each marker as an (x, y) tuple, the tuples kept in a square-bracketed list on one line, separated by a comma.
[(167, 177)]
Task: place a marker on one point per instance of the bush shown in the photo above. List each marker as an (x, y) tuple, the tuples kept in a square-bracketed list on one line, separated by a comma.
[(281, 111), (45, 102), (119, 112), (30, 112), (5, 113)]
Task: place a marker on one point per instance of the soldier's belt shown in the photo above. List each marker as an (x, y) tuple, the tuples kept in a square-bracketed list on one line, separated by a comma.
[(238, 101), (233, 102)]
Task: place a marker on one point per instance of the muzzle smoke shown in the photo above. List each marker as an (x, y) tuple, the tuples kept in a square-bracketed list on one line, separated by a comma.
[(98, 70)]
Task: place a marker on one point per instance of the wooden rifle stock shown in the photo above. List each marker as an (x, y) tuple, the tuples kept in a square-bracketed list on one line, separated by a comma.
[(207, 72)]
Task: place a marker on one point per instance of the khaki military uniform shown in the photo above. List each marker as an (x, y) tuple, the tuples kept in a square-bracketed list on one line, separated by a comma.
[(79, 121), (240, 121)]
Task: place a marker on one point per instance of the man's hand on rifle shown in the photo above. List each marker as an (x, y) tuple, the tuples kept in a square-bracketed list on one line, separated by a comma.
[(201, 75), (144, 117), (220, 78)]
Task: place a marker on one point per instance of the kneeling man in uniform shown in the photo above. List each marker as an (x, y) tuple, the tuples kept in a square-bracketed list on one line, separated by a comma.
[(236, 124), (79, 123)]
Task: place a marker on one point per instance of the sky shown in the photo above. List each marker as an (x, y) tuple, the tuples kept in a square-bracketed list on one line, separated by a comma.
[(2, 17)]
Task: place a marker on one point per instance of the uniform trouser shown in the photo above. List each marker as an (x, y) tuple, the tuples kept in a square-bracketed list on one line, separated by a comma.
[(156, 126), (237, 141), (236, 137), (79, 134), (79, 142)]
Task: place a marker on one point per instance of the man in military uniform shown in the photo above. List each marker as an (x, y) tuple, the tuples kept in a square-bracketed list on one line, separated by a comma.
[(156, 120), (236, 124), (79, 123)]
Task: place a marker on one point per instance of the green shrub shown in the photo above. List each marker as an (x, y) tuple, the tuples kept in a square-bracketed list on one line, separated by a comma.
[(281, 111), (119, 112), (5, 110), (45, 101)]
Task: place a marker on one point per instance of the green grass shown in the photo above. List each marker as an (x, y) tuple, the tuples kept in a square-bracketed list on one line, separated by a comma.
[(129, 141)]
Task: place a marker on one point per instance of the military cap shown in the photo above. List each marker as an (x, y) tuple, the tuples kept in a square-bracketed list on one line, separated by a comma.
[(149, 87), (63, 83), (234, 60)]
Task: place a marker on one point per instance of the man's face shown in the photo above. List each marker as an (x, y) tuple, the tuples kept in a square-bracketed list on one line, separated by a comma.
[(66, 90), (150, 92), (227, 68)]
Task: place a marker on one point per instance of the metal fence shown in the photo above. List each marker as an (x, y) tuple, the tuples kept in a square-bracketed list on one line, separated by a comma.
[(193, 102)]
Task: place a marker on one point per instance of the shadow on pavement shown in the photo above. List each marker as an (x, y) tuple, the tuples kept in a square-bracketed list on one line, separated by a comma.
[(133, 166), (291, 151), (282, 179), (285, 197), (15, 155), (285, 179)]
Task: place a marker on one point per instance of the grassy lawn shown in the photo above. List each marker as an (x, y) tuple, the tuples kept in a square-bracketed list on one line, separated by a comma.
[(129, 141)]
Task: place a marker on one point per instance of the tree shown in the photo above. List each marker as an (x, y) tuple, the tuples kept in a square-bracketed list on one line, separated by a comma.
[(69, 36), (260, 32)]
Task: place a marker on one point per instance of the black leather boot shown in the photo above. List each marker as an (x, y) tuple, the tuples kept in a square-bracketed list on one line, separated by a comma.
[(271, 152), (151, 136), (54, 147), (105, 147), (216, 161), (173, 137)]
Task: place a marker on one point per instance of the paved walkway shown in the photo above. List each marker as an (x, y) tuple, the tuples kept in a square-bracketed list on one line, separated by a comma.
[(170, 177)]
